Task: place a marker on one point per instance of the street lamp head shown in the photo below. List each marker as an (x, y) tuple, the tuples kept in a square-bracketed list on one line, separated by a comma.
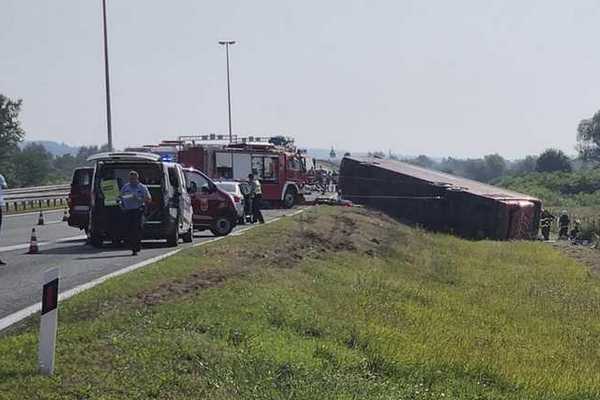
[(225, 42)]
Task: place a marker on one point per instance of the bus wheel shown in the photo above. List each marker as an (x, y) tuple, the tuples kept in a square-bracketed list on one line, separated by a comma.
[(289, 199), (96, 240)]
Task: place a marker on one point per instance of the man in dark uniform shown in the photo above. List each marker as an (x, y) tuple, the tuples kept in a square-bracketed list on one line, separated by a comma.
[(134, 196), (546, 220), (563, 224)]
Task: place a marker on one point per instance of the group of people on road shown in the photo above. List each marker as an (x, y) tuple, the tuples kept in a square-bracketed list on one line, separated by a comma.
[(134, 196), (3, 186), (325, 180), (564, 223)]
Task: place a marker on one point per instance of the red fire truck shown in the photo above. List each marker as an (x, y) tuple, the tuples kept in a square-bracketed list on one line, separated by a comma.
[(279, 165)]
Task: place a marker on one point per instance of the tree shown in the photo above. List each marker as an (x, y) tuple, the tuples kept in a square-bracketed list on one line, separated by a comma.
[(32, 165), (588, 138), (86, 151), (553, 160), (524, 166), (473, 169), (495, 166), (11, 134)]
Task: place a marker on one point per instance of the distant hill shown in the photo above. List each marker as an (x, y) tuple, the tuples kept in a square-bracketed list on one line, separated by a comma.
[(57, 149)]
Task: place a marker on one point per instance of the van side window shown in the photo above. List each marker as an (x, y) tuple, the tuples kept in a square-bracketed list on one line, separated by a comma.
[(82, 178), (173, 178), (181, 177)]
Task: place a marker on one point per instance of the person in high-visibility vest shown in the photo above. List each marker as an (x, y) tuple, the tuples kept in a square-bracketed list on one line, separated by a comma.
[(256, 196)]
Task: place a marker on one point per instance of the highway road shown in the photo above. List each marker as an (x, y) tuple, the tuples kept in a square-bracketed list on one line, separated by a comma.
[(64, 247)]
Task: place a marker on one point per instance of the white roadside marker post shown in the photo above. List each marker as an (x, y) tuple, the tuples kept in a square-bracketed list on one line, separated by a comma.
[(48, 323)]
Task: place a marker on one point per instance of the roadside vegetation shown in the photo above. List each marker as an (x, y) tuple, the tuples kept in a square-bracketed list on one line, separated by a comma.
[(33, 164), (559, 189), (333, 303)]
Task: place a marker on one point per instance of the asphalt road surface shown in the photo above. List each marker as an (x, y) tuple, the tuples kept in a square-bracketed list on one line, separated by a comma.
[(64, 247)]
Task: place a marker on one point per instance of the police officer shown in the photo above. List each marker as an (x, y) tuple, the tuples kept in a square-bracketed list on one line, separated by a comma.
[(134, 196), (256, 196), (546, 220)]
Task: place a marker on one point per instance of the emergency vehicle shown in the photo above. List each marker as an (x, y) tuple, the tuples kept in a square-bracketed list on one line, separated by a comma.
[(279, 165)]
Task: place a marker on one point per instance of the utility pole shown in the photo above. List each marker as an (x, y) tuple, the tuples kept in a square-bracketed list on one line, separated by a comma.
[(227, 43), (107, 79)]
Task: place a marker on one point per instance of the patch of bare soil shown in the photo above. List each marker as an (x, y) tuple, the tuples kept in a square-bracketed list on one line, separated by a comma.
[(313, 235), (193, 282), (584, 254)]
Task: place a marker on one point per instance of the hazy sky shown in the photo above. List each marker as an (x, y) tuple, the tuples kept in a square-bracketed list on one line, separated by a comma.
[(460, 78)]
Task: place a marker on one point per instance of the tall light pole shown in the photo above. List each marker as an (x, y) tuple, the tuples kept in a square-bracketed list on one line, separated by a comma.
[(227, 43), (107, 79)]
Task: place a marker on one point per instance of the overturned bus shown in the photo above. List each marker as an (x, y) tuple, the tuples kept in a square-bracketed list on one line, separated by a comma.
[(439, 201)]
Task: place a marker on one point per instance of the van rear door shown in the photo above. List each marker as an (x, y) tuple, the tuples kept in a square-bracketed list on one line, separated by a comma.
[(80, 197)]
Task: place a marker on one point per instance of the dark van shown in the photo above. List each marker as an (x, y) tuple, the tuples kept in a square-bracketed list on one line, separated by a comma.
[(79, 198), (169, 215), (213, 207)]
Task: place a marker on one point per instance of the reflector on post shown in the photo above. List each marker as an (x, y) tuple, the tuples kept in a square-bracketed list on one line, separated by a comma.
[(48, 322)]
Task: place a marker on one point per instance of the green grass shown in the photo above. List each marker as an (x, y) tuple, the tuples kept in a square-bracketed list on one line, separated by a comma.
[(332, 304)]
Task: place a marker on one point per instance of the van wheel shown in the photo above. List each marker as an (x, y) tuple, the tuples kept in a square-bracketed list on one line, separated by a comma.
[(173, 239), (95, 240), (188, 237), (289, 199), (222, 226)]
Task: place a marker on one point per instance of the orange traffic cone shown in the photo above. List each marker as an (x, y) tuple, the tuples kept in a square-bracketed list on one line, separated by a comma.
[(33, 244), (41, 219), (65, 216)]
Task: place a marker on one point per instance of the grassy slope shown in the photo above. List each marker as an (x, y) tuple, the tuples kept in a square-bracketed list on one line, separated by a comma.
[(345, 304)]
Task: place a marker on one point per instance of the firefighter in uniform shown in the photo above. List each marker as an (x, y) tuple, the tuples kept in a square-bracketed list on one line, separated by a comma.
[(563, 225), (546, 220), (256, 196)]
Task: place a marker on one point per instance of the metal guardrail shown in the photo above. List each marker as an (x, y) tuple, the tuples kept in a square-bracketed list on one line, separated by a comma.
[(38, 189), (31, 198)]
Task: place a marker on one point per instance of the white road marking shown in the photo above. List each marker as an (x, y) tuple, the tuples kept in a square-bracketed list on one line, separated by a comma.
[(26, 245), (241, 231), (28, 311)]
